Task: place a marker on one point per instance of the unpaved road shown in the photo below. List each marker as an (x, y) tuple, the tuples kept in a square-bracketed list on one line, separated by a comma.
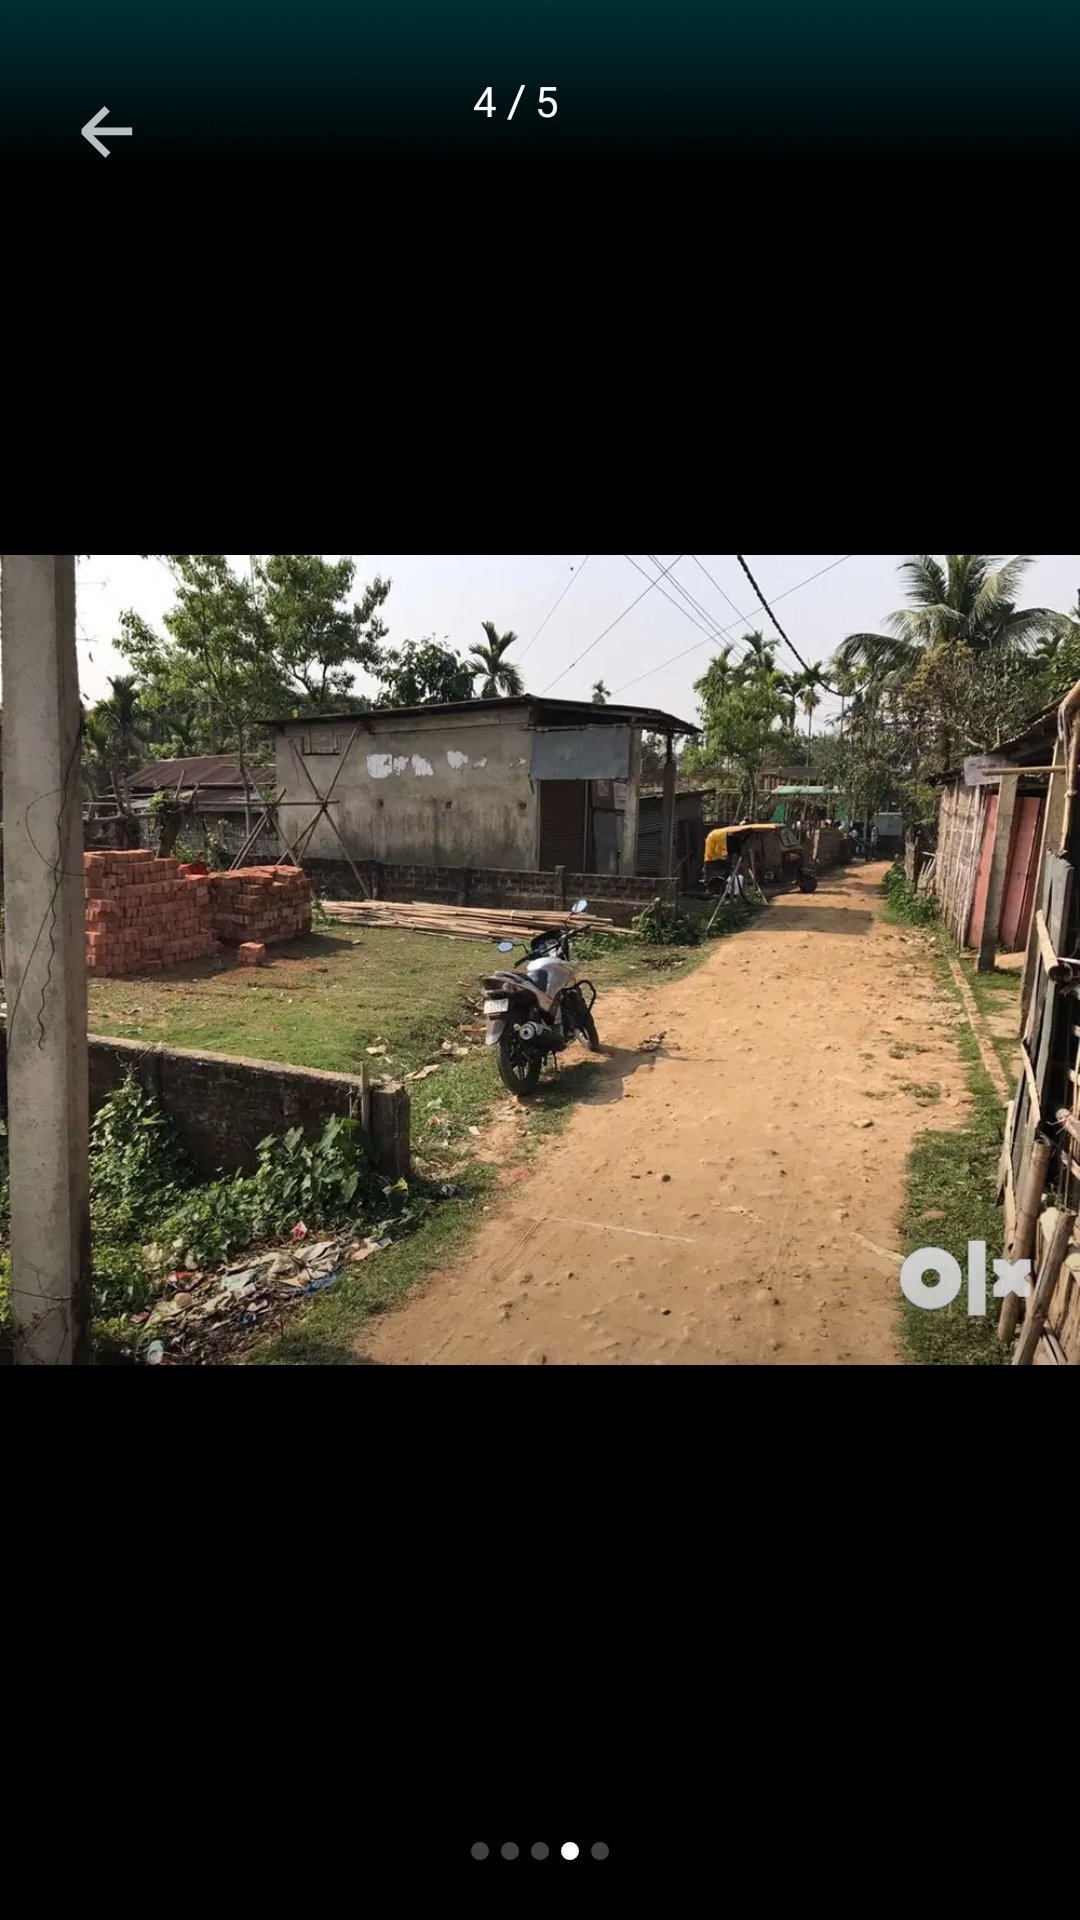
[(730, 1197)]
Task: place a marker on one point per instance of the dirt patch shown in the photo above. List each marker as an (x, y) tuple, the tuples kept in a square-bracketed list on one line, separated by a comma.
[(728, 1188)]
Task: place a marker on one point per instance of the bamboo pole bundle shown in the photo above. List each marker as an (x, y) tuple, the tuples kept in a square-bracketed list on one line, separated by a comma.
[(483, 923)]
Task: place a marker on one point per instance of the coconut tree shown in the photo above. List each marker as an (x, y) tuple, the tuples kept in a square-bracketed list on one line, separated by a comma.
[(969, 601), (489, 659), (600, 694)]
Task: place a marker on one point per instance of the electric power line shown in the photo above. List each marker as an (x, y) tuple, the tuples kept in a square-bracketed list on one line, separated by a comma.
[(558, 603), (674, 658), (803, 663), (709, 632), (607, 630), (720, 590), (691, 599)]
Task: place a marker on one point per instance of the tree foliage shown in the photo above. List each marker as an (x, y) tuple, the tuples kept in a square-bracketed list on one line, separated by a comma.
[(237, 651), (745, 710), (490, 665), (421, 673), (960, 668)]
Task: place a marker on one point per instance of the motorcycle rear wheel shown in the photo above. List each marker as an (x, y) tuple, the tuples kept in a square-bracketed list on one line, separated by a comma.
[(519, 1066)]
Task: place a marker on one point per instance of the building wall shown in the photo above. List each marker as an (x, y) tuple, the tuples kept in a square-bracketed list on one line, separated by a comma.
[(446, 791)]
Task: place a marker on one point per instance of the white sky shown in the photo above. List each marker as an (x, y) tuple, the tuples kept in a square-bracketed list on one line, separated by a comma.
[(448, 595)]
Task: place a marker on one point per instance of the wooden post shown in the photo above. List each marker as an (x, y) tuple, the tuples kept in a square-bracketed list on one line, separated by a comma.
[(560, 887), (324, 799), (628, 861), (1039, 1299), (1053, 814), (667, 812), (999, 868), (1022, 1240), (389, 1129)]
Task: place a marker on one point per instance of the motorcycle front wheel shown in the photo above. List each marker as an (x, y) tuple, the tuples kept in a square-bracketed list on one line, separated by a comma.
[(519, 1065)]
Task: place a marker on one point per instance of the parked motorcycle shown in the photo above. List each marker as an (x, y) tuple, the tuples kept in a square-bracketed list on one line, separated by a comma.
[(536, 1008)]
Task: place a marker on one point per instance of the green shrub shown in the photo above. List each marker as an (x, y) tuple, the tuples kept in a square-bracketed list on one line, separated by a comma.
[(137, 1165), (730, 916), (145, 1193), (905, 902), (660, 925)]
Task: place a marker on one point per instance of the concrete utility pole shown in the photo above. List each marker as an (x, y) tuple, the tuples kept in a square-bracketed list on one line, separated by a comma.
[(45, 962)]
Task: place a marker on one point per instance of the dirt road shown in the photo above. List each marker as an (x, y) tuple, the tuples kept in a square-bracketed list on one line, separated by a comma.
[(730, 1196)]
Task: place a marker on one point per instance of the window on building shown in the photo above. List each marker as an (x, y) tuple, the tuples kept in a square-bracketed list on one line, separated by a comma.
[(324, 741)]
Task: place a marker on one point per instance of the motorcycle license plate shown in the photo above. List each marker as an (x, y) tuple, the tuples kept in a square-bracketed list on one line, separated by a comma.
[(496, 1006)]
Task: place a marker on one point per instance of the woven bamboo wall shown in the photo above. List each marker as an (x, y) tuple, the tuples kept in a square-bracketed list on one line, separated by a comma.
[(961, 819)]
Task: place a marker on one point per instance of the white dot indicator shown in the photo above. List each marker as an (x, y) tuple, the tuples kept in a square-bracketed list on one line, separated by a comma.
[(569, 1850)]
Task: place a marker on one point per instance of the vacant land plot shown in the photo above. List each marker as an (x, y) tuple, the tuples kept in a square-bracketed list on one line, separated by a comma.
[(328, 1000)]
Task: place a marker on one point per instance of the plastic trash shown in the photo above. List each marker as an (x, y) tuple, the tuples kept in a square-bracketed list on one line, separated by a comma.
[(155, 1353), (323, 1281)]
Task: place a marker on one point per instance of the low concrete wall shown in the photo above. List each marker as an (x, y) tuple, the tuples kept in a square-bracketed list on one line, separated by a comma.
[(222, 1107), (618, 895)]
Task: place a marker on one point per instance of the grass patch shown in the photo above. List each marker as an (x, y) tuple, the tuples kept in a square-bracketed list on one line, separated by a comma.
[(927, 1095), (997, 995), (953, 1177)]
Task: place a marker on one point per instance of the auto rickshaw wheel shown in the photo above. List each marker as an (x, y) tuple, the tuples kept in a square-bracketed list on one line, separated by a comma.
[(807, 881)]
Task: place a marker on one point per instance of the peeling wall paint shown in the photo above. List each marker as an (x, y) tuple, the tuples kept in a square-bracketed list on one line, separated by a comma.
[(432, 792)]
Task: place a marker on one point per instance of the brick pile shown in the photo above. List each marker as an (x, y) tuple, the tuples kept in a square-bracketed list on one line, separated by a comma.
[(143, 914), (260, 905)]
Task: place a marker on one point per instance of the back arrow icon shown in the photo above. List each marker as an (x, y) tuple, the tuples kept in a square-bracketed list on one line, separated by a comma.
[(94, 127)]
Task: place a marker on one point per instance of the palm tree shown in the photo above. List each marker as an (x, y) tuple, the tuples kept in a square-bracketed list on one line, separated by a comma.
[(489, 659), (121, 717), (723, 673), (970, 601), (846, 684), (760, 655), (787, 684), (809, 697), (600, 694)]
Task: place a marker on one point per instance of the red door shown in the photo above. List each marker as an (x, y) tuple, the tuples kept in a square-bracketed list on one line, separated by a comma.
[(982, 884), (1020, 883)]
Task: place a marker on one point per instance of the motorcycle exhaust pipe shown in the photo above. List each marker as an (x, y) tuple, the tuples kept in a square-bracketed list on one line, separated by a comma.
[(533, 1031)]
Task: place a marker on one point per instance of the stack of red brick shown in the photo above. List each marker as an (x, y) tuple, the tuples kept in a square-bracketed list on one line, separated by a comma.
[(260, 904), (143, 914)]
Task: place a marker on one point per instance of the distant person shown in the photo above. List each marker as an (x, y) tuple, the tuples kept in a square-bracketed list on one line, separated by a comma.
[(873, 839)]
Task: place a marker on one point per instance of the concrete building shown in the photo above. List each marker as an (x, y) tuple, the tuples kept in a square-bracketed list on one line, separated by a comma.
[(524, 784)]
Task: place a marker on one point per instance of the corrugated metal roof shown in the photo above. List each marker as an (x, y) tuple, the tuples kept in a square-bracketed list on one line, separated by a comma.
[(552, 712), (203, 770)]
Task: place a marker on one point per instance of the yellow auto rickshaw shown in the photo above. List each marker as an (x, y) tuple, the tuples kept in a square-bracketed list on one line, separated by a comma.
[(771, 855)]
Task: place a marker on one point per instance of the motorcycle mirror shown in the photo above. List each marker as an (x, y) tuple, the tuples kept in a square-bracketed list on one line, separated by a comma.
[(579, 906), (505, 946)]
